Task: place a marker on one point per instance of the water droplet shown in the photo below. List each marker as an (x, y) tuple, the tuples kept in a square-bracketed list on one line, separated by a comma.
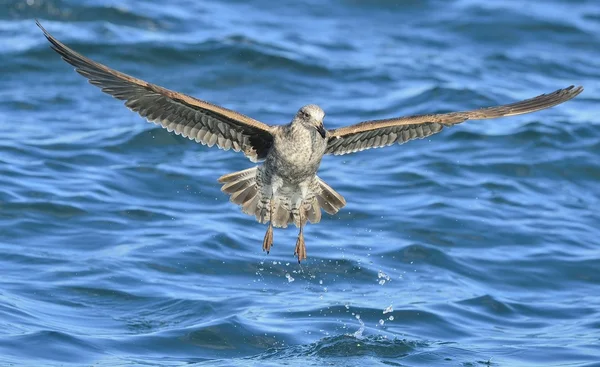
[(381, 322), (388, 309), (383, 277), (391, 318), (289, 277), (358, 333)]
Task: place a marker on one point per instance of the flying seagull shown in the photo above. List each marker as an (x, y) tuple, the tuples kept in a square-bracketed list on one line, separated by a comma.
[(284, 189)]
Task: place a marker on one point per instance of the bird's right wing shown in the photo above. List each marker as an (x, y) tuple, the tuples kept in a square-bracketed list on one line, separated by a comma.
[(193, 118), (381, 133)]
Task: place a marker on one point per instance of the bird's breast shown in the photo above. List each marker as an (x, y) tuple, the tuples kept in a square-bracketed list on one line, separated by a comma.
[(295, 157)]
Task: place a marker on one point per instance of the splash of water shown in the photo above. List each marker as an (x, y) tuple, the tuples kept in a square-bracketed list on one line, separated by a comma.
[(358, 334), (383, 277)]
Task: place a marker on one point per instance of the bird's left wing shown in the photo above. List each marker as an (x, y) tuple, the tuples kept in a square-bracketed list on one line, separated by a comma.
[(381, 133), (193, 118)]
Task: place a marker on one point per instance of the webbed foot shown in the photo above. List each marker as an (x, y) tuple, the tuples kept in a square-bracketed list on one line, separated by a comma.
[(268, 241), (300, 250)]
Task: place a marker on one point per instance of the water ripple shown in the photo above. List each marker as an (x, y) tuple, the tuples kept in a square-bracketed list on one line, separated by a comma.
[(477, 246)]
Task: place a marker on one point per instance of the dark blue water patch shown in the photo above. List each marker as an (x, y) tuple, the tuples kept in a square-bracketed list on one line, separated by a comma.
[(350, 351), (60, 347), (350, 346)]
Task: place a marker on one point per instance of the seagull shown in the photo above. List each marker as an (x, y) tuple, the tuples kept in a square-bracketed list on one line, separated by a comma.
[(285, 188)]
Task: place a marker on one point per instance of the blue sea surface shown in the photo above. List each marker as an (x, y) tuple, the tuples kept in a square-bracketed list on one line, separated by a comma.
[(478, 246)]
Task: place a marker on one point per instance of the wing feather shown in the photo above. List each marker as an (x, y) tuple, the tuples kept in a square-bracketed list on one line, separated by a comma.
[(381, 133), (195, 119)]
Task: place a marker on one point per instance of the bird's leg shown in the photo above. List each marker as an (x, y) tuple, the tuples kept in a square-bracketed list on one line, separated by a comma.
[(300, 245), (268, 241)]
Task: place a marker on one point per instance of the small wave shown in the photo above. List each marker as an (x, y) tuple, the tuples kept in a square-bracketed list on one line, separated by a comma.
[(51, 345), (59, 210), (349, 346), (60, 10)]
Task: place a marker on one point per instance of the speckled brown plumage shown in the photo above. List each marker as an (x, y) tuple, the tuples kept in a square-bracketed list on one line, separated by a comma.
[(285, 188)]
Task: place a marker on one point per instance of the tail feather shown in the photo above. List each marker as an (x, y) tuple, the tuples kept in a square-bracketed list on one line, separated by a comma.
[(329, 199), (262, 213), (235, 186), (245, 191), (242, 187), (250, 206), (324, 198), (237, 176), (313, 214), (281, 215)]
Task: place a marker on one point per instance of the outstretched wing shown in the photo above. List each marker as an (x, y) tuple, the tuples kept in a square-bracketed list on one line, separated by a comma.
[(193, 118), (381, 133)]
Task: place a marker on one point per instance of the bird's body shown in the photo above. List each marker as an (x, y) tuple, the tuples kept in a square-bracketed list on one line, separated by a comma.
[(287, 176), (284, 189), (296, 152)]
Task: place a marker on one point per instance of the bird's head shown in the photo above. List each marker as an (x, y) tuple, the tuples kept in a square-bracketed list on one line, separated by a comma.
[(311, 116)]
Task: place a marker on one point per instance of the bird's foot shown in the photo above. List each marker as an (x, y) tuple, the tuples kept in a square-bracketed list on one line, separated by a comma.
[(300, 250), (268, 241)]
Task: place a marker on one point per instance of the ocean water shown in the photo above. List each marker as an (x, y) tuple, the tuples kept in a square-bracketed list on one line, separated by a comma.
[(478, 246)]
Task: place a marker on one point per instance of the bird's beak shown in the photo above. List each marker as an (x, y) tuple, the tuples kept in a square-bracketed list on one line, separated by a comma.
[(321, 131)]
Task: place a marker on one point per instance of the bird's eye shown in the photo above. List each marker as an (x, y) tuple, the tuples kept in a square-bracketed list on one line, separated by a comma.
[(304, 114)]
